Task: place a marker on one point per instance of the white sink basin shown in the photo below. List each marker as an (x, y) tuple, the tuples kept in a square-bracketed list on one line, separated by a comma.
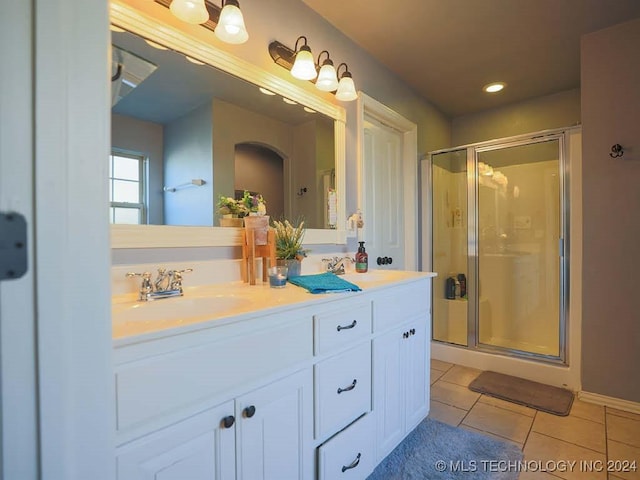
[(176, 308)]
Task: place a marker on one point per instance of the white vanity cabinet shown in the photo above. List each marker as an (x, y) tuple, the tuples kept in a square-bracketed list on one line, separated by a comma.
[(401, 363), (199, 448), (320, 390)]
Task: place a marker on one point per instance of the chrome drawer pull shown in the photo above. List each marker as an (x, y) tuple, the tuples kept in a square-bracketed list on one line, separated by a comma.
[(354, 464), (350, 387), (351, 325)]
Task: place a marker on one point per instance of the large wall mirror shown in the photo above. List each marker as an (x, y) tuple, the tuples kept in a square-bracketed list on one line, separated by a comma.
[(195, 123)]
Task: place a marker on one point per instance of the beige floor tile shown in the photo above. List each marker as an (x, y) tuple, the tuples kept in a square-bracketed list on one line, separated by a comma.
[(489, 434), (572, 429), (461, 375), (440, 365), (514, 407), (622, 429), (501, 422), (542, 448), (589, 411), (621, 458), (453, 394), (435, 375), (622, 413), (446, 413)]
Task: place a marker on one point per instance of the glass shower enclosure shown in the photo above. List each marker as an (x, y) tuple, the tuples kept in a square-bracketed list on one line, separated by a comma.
[(499, 245)]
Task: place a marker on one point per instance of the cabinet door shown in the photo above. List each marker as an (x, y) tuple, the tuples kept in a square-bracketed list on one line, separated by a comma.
[(416, 372), (387, 391), (199, 448), (275, 428)]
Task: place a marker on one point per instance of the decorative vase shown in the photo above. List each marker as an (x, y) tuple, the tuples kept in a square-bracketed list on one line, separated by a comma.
[(259, 225), (294, 266), (230, 221)]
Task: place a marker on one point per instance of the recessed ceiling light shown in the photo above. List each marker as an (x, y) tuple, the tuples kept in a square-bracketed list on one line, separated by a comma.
[(156, 45), (265, 91), (290, 102), (193, 60), (310, 110), (494, 87)]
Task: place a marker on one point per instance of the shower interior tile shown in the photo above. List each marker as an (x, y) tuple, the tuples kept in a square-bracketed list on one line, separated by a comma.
[(461, 375), (575, 430), (446, 413)]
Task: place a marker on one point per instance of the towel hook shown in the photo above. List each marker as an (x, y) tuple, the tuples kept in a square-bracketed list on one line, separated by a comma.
[(616, 151)]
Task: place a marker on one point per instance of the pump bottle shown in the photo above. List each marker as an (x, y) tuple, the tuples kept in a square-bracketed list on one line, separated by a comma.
[(362, 259)]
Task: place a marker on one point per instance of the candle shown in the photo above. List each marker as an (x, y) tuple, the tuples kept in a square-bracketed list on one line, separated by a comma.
[(277, 277)]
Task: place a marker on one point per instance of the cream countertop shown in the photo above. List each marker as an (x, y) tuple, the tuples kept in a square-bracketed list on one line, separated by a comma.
[(215, 305)]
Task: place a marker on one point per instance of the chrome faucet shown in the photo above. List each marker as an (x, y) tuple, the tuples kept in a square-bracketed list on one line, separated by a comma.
[(168, 283), (336, 265)]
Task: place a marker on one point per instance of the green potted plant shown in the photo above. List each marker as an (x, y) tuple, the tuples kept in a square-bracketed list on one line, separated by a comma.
[(289, 249), (231, 211)]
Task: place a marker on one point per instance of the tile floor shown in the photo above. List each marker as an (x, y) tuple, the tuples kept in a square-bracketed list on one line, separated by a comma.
[(591, 435)]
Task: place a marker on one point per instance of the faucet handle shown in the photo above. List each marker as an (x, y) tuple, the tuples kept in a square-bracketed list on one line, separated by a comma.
[(145, 286), (176, 278)]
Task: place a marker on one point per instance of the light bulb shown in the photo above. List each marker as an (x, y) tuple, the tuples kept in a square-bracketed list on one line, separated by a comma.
[(230, 27), (346, 88), (190, 11), (304, 68), (327, 78)]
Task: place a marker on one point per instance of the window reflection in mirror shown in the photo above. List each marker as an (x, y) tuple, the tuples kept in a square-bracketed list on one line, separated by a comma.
[(194, 122)]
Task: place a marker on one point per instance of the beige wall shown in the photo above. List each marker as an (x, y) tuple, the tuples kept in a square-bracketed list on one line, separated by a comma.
[(552, 111), (611, 225)]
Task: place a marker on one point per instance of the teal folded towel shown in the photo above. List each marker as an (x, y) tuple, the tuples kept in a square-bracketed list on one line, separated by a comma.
[(324, 283)]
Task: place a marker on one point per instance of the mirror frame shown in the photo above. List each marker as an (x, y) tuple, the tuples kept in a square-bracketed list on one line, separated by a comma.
[(157, 236)]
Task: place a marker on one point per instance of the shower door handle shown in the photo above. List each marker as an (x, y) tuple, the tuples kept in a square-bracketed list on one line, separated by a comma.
[(561, 247)]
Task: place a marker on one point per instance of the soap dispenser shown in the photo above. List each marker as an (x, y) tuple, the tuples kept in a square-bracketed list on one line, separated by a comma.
[(362, 259)]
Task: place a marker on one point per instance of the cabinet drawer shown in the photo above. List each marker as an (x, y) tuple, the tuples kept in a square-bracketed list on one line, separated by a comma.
[(337, 328), (166, 383), (342, 389), (350, 454), (399, 304)]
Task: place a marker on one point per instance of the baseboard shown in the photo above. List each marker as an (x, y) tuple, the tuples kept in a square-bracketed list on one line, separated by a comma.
[(620, 404)]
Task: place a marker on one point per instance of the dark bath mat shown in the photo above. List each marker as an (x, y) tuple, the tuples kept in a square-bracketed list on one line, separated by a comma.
[(525, 392)]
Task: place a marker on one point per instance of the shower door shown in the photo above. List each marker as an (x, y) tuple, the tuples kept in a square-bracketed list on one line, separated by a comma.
[(519, 247), (450, 245), (498, 230)]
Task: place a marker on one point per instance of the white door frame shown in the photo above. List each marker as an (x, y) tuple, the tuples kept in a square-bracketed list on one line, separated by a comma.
[(371, 108), (18, 387), (57, 378)]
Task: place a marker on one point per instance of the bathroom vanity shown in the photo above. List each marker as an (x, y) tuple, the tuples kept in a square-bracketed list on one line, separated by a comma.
[(239, 382)]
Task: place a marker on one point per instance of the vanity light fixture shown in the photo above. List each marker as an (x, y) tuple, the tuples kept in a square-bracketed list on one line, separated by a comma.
[(346, 88), (308, 110), (193, 60), (190, 11), (226, 22), (287, 58), (327, 78), (290, 102), (494, 87), (304, 68), (265, 91), (155, 45), (230, 27)]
